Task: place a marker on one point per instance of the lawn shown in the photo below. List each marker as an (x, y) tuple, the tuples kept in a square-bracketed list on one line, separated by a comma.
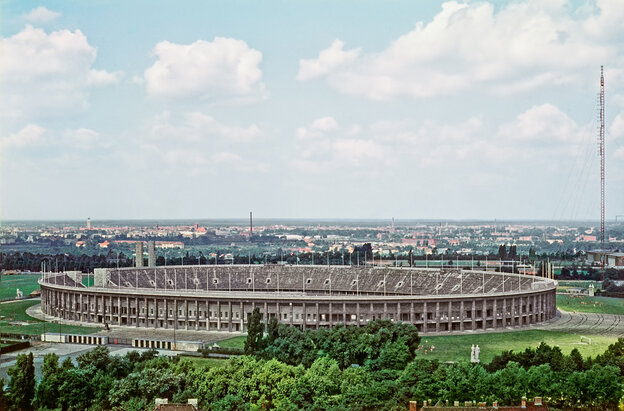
[(10, 283), (457, 347), (587, 304), (234, 342), (16, 311)]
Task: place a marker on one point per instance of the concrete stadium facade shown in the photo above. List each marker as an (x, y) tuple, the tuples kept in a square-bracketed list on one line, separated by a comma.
[(221, 298)]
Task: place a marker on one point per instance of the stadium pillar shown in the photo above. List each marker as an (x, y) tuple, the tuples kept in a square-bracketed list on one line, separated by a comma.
[(197, 314), (344, 313), (318, 316), (494, 314), (219, 315), (412, 314), (119, 310), (241, 314), (357, 313), (450, 315), (461, 315), (155, 312), (437, 316), (331, 316), (425, 324), (484, 314), (230, 316)]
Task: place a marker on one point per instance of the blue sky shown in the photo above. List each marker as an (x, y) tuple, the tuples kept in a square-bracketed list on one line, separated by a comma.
[(309, 109)]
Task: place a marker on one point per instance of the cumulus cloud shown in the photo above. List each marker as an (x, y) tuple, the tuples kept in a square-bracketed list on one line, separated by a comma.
[(327, 61), (34, 137), (516, 48), (319, 128), (48, 73), (224, 67), (42, 15), (30, 135), (198, 127), (543, 124)]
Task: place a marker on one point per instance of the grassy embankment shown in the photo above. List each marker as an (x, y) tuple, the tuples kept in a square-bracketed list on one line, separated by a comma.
[(16, 312), (587, 304), (9, 284)]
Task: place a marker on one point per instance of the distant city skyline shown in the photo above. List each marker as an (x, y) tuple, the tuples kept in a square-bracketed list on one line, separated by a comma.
[(309, 110)]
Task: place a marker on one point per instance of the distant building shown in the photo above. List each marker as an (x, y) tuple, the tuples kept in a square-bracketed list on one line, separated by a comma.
[(89, 223), (611, 259)]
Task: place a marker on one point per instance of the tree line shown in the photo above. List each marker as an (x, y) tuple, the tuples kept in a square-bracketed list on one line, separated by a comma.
[(343, 368)]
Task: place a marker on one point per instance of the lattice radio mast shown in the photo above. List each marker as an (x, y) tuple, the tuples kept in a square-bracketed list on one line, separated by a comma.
[(602, 163)]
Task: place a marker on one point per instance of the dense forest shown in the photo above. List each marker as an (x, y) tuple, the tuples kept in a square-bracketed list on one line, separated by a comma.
[(338, 369)]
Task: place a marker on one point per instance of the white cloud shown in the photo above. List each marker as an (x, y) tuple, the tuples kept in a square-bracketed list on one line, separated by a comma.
[(83, 138), (31, 135), (103, 77), (619, 153), (42, 15), (198, 127), (327, 61), (225, 67), (616, 130), (543, 124), (48, 73), (319, 128), (519, 47)]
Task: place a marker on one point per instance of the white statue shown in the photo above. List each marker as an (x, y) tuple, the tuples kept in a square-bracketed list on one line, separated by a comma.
[(474, 354)]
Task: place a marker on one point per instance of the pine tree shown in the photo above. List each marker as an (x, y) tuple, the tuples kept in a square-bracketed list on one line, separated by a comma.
[(255, 332)]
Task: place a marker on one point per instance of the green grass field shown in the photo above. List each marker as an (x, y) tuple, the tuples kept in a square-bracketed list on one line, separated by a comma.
[(586, 304), (10, 283), (16, 311), (579, 283), (457, 347), (234, 342)]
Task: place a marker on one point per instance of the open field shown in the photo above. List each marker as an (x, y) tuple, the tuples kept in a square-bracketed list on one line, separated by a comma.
[(457, 347), (16, 312), (10, 283), (587, 304), (234, 342)]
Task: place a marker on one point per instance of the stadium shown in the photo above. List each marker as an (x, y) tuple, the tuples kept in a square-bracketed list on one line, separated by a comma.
[(222, 297)]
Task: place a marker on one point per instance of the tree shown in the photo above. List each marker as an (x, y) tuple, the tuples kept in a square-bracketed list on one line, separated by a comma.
[(48, 389), (255, 332), (22, 384), (502, 252)]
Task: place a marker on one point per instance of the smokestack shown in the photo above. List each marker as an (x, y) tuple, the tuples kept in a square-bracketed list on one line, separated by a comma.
[(139, 254), (151, 254), (250, 224)]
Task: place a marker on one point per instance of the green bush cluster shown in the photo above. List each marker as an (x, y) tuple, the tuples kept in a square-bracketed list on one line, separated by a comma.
[(348, 370)]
